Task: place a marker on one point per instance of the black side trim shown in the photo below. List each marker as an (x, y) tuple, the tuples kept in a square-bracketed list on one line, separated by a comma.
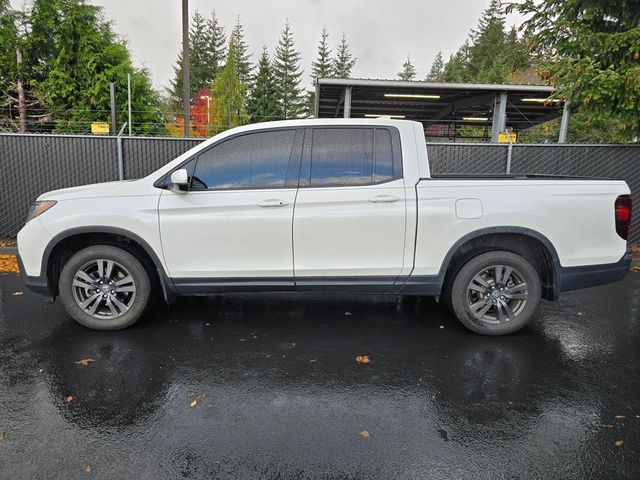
[(42, 282), (358, 284), (207, 286), (427, 285), (377, 284), (575, 278)]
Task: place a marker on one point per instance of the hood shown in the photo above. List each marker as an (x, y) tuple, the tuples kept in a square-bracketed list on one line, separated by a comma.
[(122, 188)]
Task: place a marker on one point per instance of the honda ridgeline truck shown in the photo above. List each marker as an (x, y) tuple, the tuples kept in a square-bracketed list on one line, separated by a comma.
[(328, 206)]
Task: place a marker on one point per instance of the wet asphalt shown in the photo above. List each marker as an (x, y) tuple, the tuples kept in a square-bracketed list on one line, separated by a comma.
[(279, 394)]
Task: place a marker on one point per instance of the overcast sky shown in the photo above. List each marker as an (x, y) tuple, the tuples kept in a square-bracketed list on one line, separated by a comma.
[(380, 33)]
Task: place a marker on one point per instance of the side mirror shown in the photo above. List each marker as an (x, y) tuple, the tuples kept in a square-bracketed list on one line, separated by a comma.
[(179, 181)]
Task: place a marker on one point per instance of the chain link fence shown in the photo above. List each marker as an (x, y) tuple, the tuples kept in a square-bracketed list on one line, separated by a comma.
[(32, 164)]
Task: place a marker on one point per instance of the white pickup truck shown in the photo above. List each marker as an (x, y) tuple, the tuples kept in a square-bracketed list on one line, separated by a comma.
[(325, 206)]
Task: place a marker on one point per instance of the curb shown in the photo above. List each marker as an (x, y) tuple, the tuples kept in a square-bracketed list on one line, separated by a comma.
[(9, 250)]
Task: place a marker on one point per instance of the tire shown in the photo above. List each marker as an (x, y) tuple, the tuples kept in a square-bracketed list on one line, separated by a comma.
[(478, 302), (104, 306)]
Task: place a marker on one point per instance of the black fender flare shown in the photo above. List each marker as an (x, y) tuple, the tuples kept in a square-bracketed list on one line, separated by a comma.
[(168, 288)]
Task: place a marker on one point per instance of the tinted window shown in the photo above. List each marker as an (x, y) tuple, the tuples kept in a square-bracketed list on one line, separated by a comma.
[(255, 160), (384, 157), (342, 156)]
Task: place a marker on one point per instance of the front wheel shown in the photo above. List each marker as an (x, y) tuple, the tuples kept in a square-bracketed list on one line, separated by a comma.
[(104, 288), (495, 293)]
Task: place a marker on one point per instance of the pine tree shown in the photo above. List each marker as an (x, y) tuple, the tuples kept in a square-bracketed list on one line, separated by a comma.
[(216, 46), (408, 72), (344, 61), (199, 67), (456, 69), (199, 62), (322, 66), (287, 74), (229, 97), (263, 105), (437, 69), (244, 68), (488, 55)]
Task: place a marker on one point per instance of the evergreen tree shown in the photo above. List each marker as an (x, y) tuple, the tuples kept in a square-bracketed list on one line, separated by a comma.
[(287, 74), (216, 46), (590, 49), (199, 62), (229, 97), (322, 66), (491, 54), (8, 45), (244, 68), (263, 104), (488, 55), (518, 55), (88, 57), (408, 72), (344, 61), (456, 68), (437, 69)]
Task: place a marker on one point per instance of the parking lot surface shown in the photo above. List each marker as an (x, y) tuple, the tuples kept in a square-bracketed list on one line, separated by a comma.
[(269, 387)]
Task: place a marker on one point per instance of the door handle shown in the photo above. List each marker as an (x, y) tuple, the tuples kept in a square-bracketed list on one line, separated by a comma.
[(384, 199), (273, 202)]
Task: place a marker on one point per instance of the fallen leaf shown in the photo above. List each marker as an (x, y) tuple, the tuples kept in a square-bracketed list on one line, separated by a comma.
[(365, 434), (619, 443), (40, 370), (87, 468), (16, 294), (9, 263), (607, 426), (362, 359), (2, 435), (69, 398), (194, 403), (619, 417), (85, 361)]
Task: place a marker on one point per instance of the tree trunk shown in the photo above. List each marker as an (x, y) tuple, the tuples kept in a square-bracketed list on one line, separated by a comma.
[(22, 105)]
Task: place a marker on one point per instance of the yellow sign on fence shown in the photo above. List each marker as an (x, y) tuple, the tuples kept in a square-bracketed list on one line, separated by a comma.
[(502, 137), (100, 128)]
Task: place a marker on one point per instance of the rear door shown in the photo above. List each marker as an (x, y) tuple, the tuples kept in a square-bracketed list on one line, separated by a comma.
[(232, 229), (349, 218)]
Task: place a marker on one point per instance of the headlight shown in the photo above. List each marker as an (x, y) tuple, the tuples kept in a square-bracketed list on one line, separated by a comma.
[(39, 208)]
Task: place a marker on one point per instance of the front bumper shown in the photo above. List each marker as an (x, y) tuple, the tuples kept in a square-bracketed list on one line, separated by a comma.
[(39, 284), (575, 278)]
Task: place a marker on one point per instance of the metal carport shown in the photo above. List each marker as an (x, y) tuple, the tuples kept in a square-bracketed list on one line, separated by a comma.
[(443, 107)]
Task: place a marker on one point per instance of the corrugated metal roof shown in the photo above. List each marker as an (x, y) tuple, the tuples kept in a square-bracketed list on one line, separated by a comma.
[(494, 87)]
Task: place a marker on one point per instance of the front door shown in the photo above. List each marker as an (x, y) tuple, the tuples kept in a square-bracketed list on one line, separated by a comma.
[(232, 229)]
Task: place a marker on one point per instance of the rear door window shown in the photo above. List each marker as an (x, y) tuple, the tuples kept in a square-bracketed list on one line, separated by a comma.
[(350, 157)]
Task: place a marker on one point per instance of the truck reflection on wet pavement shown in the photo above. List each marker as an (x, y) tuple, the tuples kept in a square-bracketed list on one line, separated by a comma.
[(268, 387)]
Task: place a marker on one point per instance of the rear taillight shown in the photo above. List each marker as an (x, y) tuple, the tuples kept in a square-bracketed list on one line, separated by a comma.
[(623, 215)]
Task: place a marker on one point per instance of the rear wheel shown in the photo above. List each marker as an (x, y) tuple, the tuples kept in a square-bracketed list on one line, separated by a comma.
[(104, 288), (495, 293)]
